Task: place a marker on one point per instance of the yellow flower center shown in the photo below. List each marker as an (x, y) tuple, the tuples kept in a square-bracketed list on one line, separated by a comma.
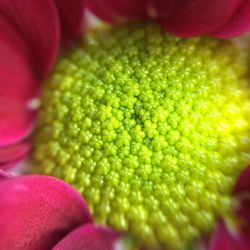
[(151, 129)]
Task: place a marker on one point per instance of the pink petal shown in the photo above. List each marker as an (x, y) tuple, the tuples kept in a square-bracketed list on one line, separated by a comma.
[(89, 237), (13, 152), (38, 211), (242, 192), (11, 156), (17, 87), (71, 14), (30, 34), (116, 10), (199, 17), (162, 9), (37, 22), (3, 175), (223, 19), (132, 10), (243, 181), (221, 239), (243, 240), (238, 24), (11, 165), (243, 212)]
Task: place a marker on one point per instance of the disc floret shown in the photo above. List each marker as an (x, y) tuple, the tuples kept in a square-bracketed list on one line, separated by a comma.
[(151, 129)]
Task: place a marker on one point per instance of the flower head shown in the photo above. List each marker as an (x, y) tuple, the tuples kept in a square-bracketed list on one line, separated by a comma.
[(138, 121), (152, 129)]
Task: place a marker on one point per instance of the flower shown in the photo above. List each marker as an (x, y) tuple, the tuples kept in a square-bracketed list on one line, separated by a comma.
[(134, 134), (30, 36), (237, 238), (31, 33), (221, 19), (41, 212)]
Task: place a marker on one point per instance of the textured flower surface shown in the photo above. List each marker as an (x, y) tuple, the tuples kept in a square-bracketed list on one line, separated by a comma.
[(154, 158), (41, 212), (221, 19), (139, 128)]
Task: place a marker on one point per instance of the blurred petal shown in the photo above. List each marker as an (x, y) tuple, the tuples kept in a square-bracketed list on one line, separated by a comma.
[(222, 19), (238, 24), (199, 17), (89, 237), (37, 22), (239, 239), (3, 176), (12, 165), (38, 211), (102, 9), (162, 9), (116, 10), (243, 181), (29, 41), (132, 10), (11, 156), (243, 212), (17, 87), (221, 239), (71, 14), (242, 192), (13, 152)]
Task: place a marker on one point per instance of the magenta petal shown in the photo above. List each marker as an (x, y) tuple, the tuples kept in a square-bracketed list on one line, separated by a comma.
[(243, 181), (3, 175), (37, 22), (162, 9), (117, 10), (17, 88), (10, 156), (238, 24), (243, 212), (89, 237), (221, 239), (38, 211), (71, 14), (242, 191), (131, 10), (11, 165), (15, 122), (101, 9), (13, 152), (199, 17)]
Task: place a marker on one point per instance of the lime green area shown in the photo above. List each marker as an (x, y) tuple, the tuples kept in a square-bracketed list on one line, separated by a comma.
[(151, 129)]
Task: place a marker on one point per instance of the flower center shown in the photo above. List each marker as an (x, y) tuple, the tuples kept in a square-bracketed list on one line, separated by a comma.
[(151, 129)]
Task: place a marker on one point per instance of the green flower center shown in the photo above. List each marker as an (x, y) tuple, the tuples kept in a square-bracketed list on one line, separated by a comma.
[(153, 130)]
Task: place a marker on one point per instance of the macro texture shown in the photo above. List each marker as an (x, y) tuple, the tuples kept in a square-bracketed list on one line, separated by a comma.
[(38, 211), (152, 129)]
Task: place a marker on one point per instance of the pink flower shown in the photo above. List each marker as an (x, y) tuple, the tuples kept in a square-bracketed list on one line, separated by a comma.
[(221, 19), (30, 36), (41, 212), (226, 238)]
